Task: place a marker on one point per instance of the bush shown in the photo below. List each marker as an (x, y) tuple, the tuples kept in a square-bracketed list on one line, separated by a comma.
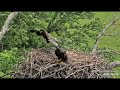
[(8, 59)]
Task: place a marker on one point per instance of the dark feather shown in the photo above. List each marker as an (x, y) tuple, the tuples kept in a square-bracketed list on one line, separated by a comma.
[(35, 31), (61, 54)]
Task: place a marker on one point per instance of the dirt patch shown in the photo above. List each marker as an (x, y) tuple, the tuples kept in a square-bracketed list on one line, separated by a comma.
[(43, 63)]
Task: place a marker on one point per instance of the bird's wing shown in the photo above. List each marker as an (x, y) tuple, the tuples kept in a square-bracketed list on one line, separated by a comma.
[(32, 31), (35, 31)]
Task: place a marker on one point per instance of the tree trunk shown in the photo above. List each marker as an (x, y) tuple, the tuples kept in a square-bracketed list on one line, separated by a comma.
[(5, 27)]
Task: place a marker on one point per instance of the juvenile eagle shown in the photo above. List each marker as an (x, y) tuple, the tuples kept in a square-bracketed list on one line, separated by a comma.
[(61, 54)]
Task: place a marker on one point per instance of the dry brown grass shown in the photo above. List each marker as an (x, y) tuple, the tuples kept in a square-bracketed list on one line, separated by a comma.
[(42, 63)]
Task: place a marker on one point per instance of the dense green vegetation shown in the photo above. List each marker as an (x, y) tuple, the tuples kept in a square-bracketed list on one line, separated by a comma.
[(74, 30)]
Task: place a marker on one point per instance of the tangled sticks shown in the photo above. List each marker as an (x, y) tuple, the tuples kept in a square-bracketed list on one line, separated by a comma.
[(41, 63)]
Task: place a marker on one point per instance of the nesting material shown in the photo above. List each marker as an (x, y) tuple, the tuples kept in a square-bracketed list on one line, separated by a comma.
[(42, 63)]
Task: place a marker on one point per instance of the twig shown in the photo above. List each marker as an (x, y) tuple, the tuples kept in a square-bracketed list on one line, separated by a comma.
[(50, 65), (101, 51), (113, 64), (31, 63), (40, 70), (60, 69), (73, 73), (112, 34)]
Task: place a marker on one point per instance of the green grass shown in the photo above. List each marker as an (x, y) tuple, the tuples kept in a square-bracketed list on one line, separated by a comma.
[(106, 41), (105, 16), (110, 41), (117, 72)]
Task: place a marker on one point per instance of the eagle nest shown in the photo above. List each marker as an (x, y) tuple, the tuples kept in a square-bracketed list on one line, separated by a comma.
[(43, 63)]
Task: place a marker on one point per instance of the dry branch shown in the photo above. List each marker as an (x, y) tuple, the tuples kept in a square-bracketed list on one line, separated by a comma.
[(113, 64), (100, 35), (102, 51), (118, 33), (5, 27)]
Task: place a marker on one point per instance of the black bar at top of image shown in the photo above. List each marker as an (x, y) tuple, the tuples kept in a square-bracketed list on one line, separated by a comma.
[(59, 5)]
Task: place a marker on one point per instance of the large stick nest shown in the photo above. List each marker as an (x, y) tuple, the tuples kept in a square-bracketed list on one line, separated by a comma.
[(43, 63)]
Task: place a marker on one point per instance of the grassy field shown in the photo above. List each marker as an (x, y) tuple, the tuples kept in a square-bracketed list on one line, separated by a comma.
[(110, 42)]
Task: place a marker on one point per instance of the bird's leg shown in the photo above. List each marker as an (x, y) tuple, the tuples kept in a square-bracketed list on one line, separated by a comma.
[(58, 61)]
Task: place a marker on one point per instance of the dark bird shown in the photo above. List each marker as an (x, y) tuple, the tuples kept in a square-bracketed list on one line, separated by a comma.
[(61, 54)]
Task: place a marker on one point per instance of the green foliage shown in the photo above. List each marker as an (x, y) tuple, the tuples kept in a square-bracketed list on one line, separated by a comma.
[(108, 55), (8, 60), (117, 72), (19, 35), (74, 30), (73, 34)]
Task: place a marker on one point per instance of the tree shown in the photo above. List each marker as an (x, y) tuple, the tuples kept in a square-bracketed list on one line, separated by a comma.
[(65, 26), (5, 27)]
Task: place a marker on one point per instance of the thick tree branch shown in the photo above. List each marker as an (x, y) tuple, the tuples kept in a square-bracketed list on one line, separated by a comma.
[(5, 27), (100, 35)]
